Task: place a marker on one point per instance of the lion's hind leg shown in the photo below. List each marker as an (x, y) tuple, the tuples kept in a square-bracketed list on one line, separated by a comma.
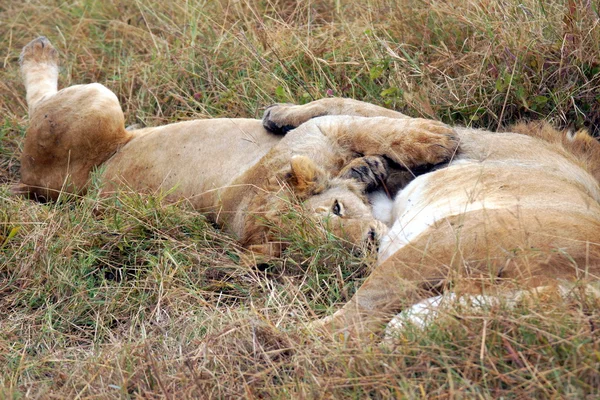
[(39, 69), (70, 132)]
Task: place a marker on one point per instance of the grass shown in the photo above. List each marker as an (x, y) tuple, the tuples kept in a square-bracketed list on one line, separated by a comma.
[(145, 299)]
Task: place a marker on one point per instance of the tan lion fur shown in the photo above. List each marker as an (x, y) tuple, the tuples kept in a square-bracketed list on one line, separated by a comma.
[(234, 170), (511, 211)]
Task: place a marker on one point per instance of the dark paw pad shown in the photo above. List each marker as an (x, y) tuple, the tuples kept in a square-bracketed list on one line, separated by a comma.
[(270, 124), (370, 170)]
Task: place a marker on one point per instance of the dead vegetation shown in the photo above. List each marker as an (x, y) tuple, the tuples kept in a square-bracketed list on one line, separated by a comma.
[(148, 300)]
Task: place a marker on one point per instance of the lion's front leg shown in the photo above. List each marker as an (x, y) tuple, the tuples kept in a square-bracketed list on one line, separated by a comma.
[(365, 315), (281, 118), (385, 292), (410, 142)]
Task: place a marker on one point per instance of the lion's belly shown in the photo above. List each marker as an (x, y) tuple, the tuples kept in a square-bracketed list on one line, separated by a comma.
[(415, 211), (472, 187), (191, 160)]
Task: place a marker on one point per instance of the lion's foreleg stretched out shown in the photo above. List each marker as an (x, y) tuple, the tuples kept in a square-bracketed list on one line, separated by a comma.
[(409, 142)]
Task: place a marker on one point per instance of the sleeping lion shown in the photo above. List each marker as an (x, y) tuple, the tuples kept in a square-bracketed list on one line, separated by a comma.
[(511, 212), (236, 171)]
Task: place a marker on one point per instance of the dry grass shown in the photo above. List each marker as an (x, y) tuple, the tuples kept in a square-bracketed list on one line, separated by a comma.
[(148, 300)]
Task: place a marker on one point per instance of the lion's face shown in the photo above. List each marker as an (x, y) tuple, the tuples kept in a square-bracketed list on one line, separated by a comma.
[(348, 215), (343, 200), (339, 204), (345, 210)]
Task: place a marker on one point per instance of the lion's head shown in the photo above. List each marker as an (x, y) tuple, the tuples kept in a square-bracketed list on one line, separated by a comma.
[(337, 204)]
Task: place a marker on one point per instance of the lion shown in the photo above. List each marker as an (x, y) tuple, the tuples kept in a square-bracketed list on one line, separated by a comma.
[(237, 172), (510, 212)]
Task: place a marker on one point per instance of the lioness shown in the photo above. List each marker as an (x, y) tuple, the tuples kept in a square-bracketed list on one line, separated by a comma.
[(518, 209), (231, 169)]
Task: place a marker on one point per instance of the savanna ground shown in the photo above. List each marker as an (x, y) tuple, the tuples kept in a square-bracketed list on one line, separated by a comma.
[(147, 300)]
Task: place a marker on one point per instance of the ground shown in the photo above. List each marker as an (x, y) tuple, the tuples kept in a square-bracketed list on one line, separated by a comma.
[(146, 299)]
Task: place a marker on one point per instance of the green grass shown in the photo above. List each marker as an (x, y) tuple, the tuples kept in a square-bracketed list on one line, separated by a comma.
[(130, 297)]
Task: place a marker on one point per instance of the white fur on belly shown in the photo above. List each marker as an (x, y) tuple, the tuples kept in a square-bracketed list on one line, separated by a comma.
[(414, 212), (383, 207)]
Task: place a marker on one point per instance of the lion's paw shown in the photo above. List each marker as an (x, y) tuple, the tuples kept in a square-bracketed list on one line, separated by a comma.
[(330, 327), (372, 171), (39, 51), (340, 328), (424, 142), (282, 117)]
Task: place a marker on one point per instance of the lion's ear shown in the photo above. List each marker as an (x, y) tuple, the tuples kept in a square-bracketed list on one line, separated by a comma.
[(306, 177)]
